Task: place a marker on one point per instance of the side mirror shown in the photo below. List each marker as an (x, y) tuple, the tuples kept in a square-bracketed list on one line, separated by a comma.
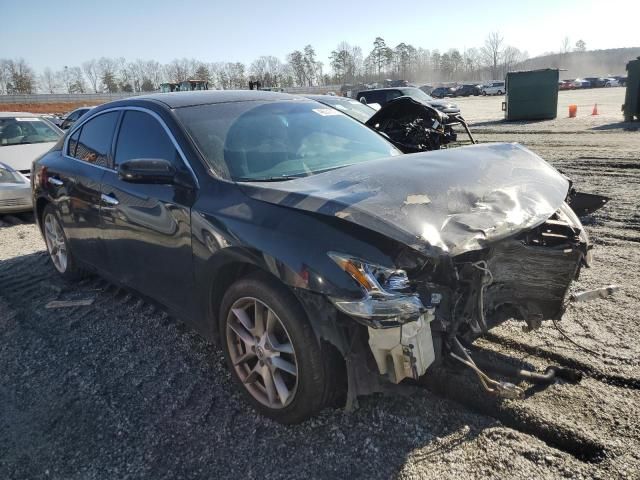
[(147, 170)]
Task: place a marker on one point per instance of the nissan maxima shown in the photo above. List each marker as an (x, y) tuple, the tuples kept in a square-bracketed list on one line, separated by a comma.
[(324, 263)]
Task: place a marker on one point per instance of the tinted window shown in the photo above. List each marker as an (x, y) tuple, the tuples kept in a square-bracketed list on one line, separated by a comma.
[(271, 140), (95, 139), (142, 136), (374, 97), (73, 143), (393, 94)]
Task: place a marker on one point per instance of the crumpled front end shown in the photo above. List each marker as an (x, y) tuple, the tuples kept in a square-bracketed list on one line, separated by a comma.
[(524, 277), (466, 238)]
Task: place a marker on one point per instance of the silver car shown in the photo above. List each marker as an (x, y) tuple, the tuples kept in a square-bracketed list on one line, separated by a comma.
[(15, 191), (23, 138)]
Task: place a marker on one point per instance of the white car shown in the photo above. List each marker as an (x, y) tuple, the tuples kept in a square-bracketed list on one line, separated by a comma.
[(15, 191), (23, 138), (611, 82), (494, 88)]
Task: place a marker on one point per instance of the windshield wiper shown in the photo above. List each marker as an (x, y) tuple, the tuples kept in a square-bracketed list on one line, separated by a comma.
[(265, 179), (328, 169)]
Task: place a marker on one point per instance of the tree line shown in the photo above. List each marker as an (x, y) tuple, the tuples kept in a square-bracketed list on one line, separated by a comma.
[(347, 65)]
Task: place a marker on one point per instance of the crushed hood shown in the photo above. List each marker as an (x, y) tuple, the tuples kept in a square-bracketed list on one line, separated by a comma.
[(402, 108), (441, 202)]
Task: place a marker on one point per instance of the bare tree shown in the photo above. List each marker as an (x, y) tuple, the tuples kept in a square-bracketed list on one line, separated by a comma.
[(296, 61), (566, 45), (64, 79), (511, 57), (492, 52), (90, 68), (4, 75), (48, 81), (18, 76), (107, 72), (77, 80), (581, 46)]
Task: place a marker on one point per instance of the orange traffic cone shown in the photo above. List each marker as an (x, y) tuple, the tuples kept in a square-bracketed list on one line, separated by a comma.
[(595, 110)]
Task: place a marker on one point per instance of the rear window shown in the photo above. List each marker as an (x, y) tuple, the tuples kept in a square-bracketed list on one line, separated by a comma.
[(96, 135), (26, 130)]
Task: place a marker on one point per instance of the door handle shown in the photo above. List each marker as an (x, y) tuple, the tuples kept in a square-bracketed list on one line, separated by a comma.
[(109, 200), (55, 181)]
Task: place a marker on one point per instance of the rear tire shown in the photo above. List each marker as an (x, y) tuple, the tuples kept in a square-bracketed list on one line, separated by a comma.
[(272, 351), (58, 246)]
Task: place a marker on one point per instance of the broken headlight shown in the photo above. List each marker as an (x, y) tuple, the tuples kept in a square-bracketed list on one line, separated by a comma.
[(386, 291)]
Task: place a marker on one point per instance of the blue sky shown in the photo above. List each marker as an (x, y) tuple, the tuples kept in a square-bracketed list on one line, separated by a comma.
[(67, 32)]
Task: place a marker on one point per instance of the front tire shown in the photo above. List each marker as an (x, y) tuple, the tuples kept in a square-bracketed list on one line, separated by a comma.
[(272, 352), (58, 245)]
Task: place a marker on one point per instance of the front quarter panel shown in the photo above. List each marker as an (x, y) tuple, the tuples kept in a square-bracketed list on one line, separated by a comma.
[(292, 245)]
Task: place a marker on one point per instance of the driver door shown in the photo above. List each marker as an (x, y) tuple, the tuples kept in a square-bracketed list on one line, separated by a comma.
[(147, 227)]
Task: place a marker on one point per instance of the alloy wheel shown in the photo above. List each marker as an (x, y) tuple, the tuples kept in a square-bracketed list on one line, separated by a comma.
[(56, 243), (262, 353)]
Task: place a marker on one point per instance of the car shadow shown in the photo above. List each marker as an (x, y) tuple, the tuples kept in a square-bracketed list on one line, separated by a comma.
[(10, 219), (626, 126)]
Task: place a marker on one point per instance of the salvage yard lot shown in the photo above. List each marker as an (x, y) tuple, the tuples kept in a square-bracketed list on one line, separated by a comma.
[(118, 389)]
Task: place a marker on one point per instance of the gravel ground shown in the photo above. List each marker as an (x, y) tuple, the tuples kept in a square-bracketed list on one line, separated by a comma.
[(118, 389)]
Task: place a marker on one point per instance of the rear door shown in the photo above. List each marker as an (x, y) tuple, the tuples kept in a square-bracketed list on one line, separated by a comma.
[(147, 227), (75, 184)]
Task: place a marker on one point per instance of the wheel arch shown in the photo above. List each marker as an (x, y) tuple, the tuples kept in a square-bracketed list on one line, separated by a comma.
[(39, 207)]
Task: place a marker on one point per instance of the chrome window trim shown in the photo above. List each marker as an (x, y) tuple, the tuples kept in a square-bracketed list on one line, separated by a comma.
[(77, 126)]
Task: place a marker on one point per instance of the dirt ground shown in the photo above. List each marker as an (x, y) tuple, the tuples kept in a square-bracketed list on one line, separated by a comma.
[(55, 108), (118, 389)]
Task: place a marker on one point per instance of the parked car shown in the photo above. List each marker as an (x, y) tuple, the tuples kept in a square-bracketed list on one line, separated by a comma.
[(15, 191), (442, 92), (296, 237), (23, 138), (565, 85), (622, 80), (410, 125), (396, 83), (55, 119), (595, 82), (383, 95), (72, 117), (611, 82), (467, 90), (494, 88), (581, 83)]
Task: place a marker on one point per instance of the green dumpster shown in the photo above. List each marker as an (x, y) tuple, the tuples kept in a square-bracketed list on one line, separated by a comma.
[(631, 107), (531, 95)]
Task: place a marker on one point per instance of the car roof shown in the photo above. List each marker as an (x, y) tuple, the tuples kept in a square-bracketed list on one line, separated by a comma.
[(17, 114), (206, 97)]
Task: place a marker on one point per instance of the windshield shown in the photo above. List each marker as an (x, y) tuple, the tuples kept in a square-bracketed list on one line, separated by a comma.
[(25, 130), (9, 176), (266, 141), (417, 94), (353, 108)]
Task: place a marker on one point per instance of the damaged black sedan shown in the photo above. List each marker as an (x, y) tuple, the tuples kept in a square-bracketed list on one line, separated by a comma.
[(324, 262), (411, 125)]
